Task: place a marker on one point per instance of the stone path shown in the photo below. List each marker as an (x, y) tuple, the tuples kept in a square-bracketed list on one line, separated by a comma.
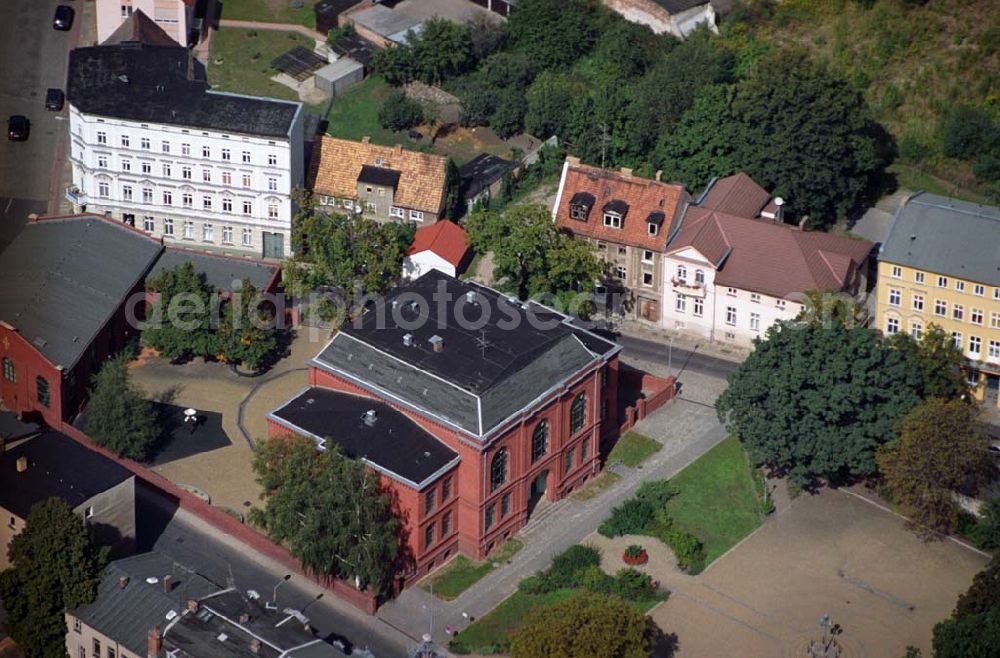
[(276, 27), (686, 431)]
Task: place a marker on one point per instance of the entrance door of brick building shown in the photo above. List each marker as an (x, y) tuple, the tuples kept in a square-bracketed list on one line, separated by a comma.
[(536, 492)]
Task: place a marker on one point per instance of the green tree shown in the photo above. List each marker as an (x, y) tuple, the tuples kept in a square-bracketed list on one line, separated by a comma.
[(442, 50), (454, 203), (815, 401), (180, 321), (329, 509), (941, 446), (586, 625), (394, 64), (549, 102), (400, 112), (819, 307), (938, 361), (973, 630), (479, 102), (118, 416), (553, 33), (508, 115), (795, 128), (54, 567), (345, 252), (247, 333)]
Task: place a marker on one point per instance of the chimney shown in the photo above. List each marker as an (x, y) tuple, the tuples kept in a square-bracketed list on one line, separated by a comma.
[(572, 160), (408, 340), (398, 149), (437, 343), (21, 464), (802, 223), (255, 645), (366, 139), (779, 214), (659, 175), (154, 642), (123, 582), (244, 618), (627, 171), (168, 584), (192, 605), (369, 417)]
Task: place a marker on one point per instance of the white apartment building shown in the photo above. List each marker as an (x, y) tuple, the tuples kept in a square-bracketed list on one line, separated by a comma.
[(154, 147), (177, 18), (728, 278)]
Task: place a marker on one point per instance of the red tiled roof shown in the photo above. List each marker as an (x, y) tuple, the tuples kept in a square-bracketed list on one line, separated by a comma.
[(140, 27), (774, 259), (737, 195), (601, 187), (444, 238)]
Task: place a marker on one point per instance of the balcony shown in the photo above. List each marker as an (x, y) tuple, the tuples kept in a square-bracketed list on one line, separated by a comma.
[(75, 196), (688, 288)]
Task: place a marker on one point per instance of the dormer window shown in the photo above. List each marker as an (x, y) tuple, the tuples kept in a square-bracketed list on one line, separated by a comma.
[(612, 220), (654, 221), (653, 229), (614, 213), (580, 205), (579, 213), (378, 161)]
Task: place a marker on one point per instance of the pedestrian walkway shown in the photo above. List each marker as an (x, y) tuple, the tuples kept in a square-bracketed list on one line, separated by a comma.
[(684, 340), (686, 431), (275, 27)]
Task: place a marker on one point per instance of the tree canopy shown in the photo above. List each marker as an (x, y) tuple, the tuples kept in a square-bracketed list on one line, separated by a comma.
[(938, 361), (400, 112), (942, 446), (330, 510), (973, 630), (586, 625), (181, 316), (118, 416), (530, 254), (815, 401), (796, 128), (246, 333), (53, 567)]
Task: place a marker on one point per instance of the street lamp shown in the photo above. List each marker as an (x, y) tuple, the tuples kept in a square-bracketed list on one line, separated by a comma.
[(284, 579)]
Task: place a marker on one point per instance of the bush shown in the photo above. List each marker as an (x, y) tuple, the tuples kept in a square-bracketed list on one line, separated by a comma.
[(631, 518), (567, 567), (400, 112), (656, 492), (633, 585), (532, 584), (967, 132), (594, 579), (687, 549)]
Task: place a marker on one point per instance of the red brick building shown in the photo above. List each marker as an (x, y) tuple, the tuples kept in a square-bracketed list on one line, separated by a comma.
[(470, 424), (64, 287)]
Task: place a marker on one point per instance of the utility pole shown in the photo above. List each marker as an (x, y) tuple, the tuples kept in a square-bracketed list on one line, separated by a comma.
[(605, 140)]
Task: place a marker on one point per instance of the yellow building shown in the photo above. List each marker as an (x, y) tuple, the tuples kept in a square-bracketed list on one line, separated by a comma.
[(940, 265)]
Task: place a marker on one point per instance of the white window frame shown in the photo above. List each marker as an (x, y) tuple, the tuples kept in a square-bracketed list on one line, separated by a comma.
[(396, 211), (612, 220), (416, 216), (247, 237)]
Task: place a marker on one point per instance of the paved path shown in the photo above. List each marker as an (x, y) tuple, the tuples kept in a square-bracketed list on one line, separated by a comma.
[(686, 430), (276, 27)]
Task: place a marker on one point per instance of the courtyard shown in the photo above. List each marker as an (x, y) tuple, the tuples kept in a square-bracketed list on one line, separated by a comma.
[(827, 554)]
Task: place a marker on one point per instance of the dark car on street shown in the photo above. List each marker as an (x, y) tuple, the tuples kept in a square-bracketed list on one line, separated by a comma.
[(54, 99), (17, 128), (63, 20)]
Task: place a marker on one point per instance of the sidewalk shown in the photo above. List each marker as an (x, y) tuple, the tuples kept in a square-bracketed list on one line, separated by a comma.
[(689, 341), (685, 429), (276, 27)]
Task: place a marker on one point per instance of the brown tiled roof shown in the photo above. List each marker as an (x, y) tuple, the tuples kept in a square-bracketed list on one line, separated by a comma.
[(444, 238), (737, 195), (774, 259), (336, 164), (140, 27), (604, 188)]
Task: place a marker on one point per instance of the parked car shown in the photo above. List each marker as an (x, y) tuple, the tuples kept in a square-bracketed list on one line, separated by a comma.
[(63, 20), (54, 99), (994, 449), (18, 127)]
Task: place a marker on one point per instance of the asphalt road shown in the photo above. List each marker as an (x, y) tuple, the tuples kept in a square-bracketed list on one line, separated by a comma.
[(34, 58), (681, 359), (190, 544)]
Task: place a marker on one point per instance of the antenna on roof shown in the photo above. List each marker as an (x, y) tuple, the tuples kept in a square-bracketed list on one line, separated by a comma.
[(481, 341)]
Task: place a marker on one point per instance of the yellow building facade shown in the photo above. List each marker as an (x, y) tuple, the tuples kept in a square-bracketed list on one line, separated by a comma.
[(940, 265)]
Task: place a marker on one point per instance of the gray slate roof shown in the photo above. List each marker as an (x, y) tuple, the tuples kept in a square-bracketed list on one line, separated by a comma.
[(218, 271), (678, 6), (62, 279), (163, 84), (468, 384), (127, 614), (946, 236)]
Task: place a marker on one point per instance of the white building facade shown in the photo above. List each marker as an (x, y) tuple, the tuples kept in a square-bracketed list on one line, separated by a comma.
[(175, 17), (200, 181), (694, 304)]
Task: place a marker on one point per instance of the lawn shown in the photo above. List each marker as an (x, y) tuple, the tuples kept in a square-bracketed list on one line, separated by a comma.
[(462, 573), (354, 114), (716, 500), (269, 11), (246, 61), (633, 448), (491, 634)]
